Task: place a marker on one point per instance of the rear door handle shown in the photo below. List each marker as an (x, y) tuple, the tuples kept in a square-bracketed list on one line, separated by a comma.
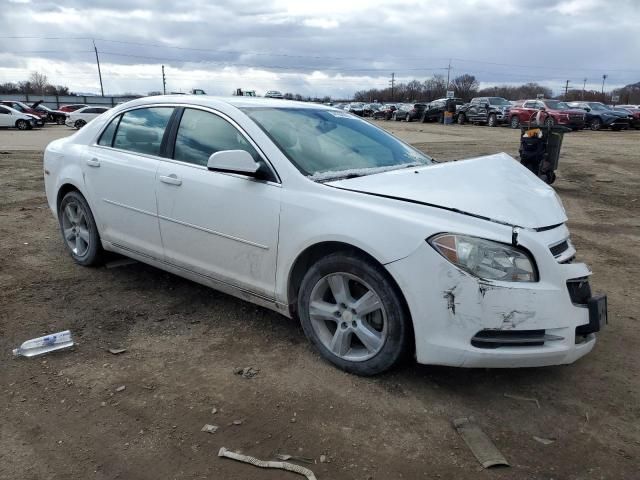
[(171, 179), (94, 162)]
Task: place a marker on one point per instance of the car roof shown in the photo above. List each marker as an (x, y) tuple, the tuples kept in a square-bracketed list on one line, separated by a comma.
[(213, 102)]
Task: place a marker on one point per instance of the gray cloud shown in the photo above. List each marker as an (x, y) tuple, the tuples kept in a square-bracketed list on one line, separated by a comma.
[(354, 44)]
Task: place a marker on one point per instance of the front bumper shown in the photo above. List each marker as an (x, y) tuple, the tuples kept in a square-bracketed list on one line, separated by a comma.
[(452, 308), (615, 122)]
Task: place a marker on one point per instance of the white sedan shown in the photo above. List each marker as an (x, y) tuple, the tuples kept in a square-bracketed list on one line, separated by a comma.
[(310, 211), (10, 117), (82, 116)]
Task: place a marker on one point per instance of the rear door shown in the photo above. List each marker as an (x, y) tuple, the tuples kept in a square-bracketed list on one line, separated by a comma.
[(220, 225), (120, 174), (6, 119)]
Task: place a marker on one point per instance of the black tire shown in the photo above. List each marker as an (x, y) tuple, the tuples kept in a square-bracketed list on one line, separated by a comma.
[(22, 125), (462, 119), (79, 124), (60, 120), (398, 331), (492, 120), (94, 253), (514, 122), (549, 122), (596, 124)]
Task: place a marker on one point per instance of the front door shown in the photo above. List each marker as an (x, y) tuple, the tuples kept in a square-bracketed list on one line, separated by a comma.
[(120, 174), (219, 225)]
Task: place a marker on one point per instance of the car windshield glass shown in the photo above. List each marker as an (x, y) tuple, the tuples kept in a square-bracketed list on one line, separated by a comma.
[(499, 101), (329, 144), (556, 105)]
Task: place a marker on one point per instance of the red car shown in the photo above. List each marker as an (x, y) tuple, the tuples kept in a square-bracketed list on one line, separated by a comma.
[(558, 113), (634, 115), (72, 108), (24, 108)]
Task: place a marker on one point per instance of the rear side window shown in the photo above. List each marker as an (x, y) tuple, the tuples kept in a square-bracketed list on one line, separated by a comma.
[(4, 110), (202, 133), (106, 139), (142, 130)]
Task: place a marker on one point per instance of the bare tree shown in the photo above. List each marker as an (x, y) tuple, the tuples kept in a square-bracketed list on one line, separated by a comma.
[(38, 82), (465, 86)]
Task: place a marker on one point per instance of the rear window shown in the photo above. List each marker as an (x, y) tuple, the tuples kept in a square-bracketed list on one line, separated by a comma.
[(142, 130)]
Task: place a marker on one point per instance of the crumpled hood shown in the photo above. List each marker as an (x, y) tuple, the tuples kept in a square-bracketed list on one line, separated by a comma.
[(495, 187)]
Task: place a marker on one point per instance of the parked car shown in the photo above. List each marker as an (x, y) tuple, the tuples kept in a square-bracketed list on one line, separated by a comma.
[(600, 116), (408, 111), (291, 205), (72, 108), (273, 94), (52, 116), (435, 110), (385, 112), (24, 108), (557, 113), (81, 117), (370, 108), (633, 113), (356, 108), (492, 111), (627, 106), (10, 117)]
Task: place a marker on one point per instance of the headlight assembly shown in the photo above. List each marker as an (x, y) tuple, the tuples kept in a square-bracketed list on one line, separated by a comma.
[(485, 258)]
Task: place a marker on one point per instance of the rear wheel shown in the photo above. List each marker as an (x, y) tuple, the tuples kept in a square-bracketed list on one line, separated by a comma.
[(79, 230), (461, 119), (353, 314), (596, 124), (79, 124), (60, 120), (514, 122), (492, 120)]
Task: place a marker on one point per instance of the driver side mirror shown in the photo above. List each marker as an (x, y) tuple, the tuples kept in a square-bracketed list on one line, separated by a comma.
[(587, 109), (233, 161)]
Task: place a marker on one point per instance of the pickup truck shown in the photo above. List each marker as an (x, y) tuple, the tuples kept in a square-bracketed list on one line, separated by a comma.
[(557, 113), (490, 110)]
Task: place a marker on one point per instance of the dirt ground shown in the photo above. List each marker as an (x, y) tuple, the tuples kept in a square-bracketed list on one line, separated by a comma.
[(63, 418)]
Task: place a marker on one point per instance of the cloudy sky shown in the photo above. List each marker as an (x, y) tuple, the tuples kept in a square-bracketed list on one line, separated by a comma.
[(328, 47)]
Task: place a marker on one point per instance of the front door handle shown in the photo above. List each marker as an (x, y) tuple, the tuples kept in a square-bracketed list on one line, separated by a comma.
[(171, 179), (94, 162)]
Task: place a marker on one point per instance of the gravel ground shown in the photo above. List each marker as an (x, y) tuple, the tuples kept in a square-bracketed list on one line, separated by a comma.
[(64, 418)]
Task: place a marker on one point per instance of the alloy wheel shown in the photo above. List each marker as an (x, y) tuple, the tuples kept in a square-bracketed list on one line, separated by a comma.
[(348, 317), (76, 229), (515, 122)]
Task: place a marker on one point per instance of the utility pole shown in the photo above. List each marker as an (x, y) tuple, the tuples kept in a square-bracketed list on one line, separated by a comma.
[(604, 77), (448, 73), (392, 82), (98, 62), (566, 89), (584, 86), (164, 82)]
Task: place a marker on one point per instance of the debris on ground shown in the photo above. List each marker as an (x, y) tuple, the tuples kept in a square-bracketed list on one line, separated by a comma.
[(121, 263), (247, 372), (291, 467), (544, 441), (296, 458), (237, 422), (46, 344), (323, 459), (214, 410), (524, 399), (479, 443), (209, 428), (117, 351), (121, 388)]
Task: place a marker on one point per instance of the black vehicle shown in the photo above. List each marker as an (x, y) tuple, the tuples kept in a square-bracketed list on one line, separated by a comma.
[(385, 112), (409, 111), (370, 108), (490, 110), (600, 116), (435, 110), (52, 116)]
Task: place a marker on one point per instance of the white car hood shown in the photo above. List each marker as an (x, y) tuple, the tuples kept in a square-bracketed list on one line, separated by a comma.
[(494, 187)]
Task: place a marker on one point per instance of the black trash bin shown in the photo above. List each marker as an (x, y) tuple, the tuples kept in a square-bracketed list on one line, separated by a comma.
[(540, 150)]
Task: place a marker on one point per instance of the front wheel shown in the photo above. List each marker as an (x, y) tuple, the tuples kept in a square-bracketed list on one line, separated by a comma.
[(514, 122), (549, 122), (596, 124), (492, 121), (79, 124), (352, 313), (60, 120), (22, 125), (79, 229), (461, 119)]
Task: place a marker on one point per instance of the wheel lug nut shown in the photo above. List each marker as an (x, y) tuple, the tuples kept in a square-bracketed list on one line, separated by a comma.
[(337, 314), (354, 324)]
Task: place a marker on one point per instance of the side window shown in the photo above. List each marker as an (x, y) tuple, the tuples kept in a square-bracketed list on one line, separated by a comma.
[(4, 111), (142, 130), (202, 133), (100, 110), (529, 105), (106, 139)]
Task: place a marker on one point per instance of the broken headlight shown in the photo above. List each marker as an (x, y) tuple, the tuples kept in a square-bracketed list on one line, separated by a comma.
[(485, 258)]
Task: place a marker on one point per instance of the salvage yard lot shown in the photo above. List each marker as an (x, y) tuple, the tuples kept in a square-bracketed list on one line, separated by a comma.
[(63, 419)]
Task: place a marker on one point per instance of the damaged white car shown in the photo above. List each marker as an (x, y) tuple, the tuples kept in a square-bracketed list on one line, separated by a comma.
[(319, 215)]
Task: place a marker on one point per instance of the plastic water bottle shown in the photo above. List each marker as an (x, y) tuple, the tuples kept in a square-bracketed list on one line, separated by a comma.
[(46, 344)]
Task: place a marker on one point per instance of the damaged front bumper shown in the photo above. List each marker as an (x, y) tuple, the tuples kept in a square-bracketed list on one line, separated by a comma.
[(461, 320)]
